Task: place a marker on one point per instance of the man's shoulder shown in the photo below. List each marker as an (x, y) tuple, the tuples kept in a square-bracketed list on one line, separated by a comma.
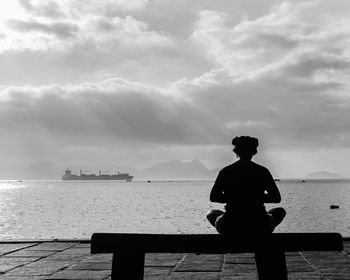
[(228, 168), (258, 165)]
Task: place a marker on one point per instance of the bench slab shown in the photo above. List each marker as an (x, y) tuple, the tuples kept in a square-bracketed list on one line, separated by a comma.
[(211, 243)]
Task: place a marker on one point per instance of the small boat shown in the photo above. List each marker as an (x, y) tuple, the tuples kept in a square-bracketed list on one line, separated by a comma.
[(334, 206)]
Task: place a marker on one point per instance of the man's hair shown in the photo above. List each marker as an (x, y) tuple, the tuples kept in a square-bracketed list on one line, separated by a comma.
[(245, 145)]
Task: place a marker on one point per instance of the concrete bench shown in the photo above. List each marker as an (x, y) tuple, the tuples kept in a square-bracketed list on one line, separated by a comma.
[(129, 249)]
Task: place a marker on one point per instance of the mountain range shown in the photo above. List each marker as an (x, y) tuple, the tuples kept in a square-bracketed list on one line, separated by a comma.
[(169, 170)]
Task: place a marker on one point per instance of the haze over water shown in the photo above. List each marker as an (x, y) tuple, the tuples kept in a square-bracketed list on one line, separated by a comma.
[(56, 209)]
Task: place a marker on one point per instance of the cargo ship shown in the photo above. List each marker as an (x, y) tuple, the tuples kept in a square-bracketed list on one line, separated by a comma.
[(68, 176)]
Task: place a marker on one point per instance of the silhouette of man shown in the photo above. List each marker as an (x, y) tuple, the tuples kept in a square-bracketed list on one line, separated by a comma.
[(244, 187)]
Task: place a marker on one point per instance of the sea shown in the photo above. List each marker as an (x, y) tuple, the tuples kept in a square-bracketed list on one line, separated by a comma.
[(76, 209)]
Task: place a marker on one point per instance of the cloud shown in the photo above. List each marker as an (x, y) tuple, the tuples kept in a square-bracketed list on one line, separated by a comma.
[(92, 49), (289, 30), (284, 113), (275, 76), (281, 76), (113, 110), (105, 8), (47, 8), (60, 29), (64, 8), (122, 81), (84, 21)]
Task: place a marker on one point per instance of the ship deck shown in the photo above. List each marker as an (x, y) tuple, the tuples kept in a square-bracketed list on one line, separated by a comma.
[(71, 259)]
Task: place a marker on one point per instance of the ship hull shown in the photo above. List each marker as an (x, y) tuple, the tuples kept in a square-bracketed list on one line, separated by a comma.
[(98, 179)]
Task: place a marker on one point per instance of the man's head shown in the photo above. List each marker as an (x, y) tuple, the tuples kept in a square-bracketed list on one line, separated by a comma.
[(245, 146)]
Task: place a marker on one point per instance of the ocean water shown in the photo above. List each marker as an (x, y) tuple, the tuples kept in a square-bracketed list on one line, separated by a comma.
[(57, 209)]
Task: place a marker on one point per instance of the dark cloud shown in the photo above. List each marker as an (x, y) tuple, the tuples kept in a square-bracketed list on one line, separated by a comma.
[(309, 62), (59, 29), (286, 110), (269, 40), (104, 25), (178, 17), (89, 114), (47, 8)]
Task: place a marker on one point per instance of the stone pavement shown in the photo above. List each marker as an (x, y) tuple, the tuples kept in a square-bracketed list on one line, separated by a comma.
[(72, 260)]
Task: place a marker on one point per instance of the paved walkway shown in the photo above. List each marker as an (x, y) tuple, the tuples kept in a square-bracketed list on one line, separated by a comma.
[(72, 260)]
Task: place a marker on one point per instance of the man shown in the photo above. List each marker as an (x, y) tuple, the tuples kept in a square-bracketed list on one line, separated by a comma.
[(244, 187)]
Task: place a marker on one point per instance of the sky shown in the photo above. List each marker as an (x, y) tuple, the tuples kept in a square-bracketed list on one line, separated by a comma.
[(136, 82)]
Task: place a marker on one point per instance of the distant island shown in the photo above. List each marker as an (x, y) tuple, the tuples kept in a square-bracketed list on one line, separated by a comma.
[(322, 175)]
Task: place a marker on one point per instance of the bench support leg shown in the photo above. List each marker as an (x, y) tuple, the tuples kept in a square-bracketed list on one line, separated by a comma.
[(271, 265), (128, 265)]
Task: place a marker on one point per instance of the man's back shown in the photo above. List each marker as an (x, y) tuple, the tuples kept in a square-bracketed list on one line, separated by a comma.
[(243, 185)]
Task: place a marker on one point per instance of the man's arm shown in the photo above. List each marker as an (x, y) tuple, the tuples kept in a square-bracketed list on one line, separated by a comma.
[(272, 194), (217, 192)]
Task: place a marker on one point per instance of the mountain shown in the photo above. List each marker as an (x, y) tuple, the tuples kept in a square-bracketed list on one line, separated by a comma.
[(174, 170), (323, 175)]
